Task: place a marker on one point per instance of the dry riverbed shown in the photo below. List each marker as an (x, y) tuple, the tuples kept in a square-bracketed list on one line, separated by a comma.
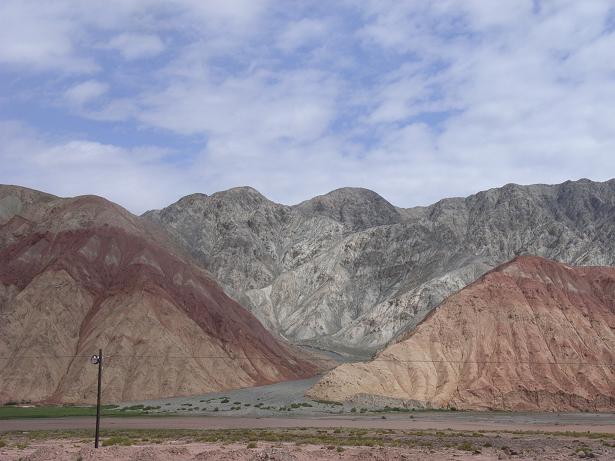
[(305, 444)]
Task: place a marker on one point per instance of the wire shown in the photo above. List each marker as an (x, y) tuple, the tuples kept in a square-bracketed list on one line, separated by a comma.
[(391, 360)]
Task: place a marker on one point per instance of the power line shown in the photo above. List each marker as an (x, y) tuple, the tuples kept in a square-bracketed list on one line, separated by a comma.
[(388, 360)]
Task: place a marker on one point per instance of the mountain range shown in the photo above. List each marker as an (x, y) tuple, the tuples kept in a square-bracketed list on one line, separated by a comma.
[(218, 292), (349, 272)]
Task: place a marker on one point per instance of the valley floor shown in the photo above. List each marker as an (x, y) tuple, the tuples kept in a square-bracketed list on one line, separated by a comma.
[(459, 421), (305, 444), (278, 423)]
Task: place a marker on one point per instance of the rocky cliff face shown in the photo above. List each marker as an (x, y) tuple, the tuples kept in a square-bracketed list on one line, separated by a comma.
[(348, 271), (80, 274), (531, 335)]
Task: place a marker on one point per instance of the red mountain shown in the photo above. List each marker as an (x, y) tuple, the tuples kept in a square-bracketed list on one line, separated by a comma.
[(532, 334), (83, 273)]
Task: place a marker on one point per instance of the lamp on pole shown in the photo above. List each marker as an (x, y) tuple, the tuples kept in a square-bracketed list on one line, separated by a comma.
[(97, 360)]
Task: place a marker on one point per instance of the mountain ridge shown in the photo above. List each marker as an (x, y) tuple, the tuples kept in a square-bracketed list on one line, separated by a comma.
[(355, 277)]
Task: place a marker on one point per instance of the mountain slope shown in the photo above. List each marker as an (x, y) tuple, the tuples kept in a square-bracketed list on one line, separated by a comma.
[(349, 271), (531, 335), (83, 273)]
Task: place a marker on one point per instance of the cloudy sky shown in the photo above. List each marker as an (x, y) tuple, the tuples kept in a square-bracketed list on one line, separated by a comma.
[(146, 101)]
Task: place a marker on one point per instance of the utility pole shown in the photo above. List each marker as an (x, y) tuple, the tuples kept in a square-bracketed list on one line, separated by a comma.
[(98, 360)]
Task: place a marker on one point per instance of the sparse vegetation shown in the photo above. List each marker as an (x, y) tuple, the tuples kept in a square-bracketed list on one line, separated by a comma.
[(467, 446), (329, 402), (331, 439), (133, 407), (118, 440)]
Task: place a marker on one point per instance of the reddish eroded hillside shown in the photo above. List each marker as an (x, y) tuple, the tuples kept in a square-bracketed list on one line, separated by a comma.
[(532, 334), (79, 274)]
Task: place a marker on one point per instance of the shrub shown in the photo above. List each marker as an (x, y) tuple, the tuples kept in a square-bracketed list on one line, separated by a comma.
[(252, 445), (118, 440), (133, 408)]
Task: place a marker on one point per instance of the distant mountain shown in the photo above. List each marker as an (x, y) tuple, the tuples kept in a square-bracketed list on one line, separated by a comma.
[(82, 273), (349, 271), (531, 335)]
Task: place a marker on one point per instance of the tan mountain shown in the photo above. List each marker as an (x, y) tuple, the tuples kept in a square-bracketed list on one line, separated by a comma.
[(83, 273), (532, 334)]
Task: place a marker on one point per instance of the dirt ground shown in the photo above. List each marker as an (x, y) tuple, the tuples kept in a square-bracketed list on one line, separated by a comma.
[(308, 445), (460, 421)]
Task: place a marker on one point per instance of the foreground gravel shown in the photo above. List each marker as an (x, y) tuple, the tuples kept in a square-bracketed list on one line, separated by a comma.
[(307, 444)]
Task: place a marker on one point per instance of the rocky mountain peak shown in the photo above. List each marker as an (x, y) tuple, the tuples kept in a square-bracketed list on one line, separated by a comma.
[(14, 200), (243, 194), (355, 207)]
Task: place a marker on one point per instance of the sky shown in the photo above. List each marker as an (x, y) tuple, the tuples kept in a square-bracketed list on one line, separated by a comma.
[(146, 101)]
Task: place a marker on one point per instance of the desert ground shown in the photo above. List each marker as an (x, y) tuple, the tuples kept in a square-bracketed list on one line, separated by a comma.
[(277, 423), (305, 444)]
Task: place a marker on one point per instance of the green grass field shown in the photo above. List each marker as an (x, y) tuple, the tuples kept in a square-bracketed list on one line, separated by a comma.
[(13, 412)]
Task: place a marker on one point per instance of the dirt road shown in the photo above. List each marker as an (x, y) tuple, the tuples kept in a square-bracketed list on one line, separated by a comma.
[(470, 421)]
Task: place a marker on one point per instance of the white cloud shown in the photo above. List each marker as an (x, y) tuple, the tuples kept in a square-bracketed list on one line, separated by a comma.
[(61, 35), (85, 92), (136, 178), (259, 106), (302, 32), (137, 46), (39, 36), (417, 100)]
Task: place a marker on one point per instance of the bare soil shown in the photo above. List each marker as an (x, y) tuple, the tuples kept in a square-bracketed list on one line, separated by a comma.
[(308, 445)]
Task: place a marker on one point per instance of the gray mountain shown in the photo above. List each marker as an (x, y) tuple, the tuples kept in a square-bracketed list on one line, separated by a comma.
[(348, 271)]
